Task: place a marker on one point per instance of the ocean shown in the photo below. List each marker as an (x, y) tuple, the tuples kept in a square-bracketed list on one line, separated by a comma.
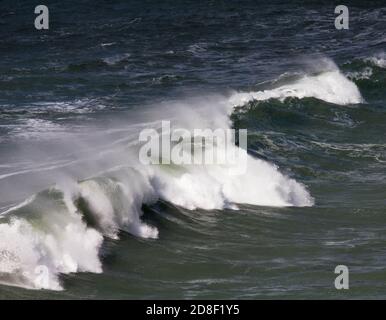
[(82, 218)]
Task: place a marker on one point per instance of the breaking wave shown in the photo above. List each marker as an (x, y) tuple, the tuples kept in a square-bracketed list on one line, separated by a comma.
[(329, 85), (60, 230)]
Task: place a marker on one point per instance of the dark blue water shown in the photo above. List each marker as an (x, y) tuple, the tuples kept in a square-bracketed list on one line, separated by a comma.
[(71, 94)]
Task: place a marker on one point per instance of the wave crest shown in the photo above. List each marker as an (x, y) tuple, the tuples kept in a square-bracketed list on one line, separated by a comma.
[(330, 85)]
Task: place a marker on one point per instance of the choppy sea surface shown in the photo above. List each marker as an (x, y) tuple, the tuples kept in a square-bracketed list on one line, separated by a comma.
[(81, 218)]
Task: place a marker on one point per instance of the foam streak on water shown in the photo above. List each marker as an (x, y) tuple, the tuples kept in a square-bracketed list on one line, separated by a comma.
[(64, 226), (77, 202)]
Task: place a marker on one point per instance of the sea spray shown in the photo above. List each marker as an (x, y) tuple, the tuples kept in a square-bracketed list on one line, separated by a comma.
[(61, 229)]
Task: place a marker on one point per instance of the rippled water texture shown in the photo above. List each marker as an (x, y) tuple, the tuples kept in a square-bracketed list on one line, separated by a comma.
[(76, 202)]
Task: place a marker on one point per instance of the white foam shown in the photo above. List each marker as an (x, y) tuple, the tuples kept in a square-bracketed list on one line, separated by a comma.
[(33, 257), (60, 241), (116, 58), (213, 187), (331, 86), (58, 236), (366, 73), (378, 60), (116, 204), (100, 206)]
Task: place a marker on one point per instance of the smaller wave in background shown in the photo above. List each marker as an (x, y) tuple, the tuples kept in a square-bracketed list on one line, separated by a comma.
[(329, 85), (62, 228), (369, 75)]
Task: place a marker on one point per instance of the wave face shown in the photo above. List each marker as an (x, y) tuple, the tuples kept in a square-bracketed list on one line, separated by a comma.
[(61, 229), (75, 201)]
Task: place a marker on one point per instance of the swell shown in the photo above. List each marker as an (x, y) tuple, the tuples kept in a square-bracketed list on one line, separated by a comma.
[(61, 229), (369, 74)]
